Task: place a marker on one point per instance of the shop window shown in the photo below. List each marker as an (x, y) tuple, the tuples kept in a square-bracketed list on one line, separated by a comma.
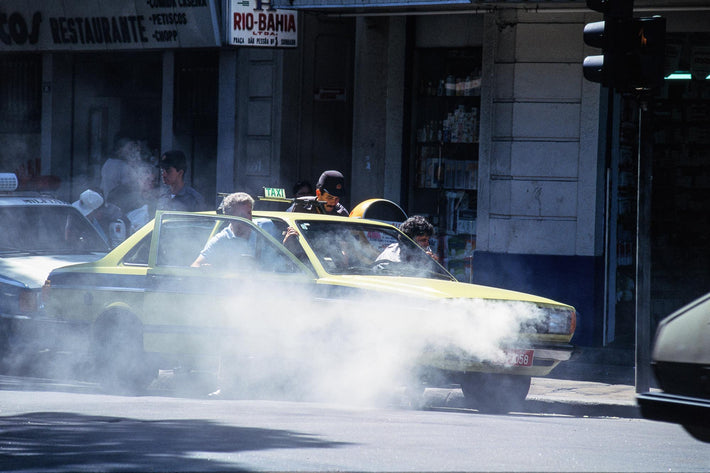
[(196, 93), (20, 94), (444, 164)]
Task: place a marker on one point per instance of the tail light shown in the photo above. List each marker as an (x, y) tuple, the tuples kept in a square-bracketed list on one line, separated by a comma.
[(28, 301), (46, 291)]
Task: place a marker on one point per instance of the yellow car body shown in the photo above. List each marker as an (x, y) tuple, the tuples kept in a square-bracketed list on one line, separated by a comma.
[(425, 292), (140, 292)]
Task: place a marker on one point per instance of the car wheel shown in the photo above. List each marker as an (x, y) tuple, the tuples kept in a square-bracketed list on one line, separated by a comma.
[(119, 362), (489, 392)]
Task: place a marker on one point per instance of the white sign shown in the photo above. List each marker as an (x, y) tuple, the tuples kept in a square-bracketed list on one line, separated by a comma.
[(257, 23), (275, 192), (91, 25)]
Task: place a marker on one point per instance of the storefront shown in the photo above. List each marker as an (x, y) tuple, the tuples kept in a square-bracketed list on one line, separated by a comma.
[(474, 114), (679, 119), (82, 74), (527, 189)]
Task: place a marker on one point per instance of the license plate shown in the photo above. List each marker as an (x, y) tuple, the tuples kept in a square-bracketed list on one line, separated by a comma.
[(519, 357)]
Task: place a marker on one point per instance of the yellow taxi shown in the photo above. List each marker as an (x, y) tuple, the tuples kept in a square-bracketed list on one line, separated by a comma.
[(490, 341), (144, 307)]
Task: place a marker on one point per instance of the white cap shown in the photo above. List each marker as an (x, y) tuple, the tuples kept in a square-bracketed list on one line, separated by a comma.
[(88, 202), (8, 181)]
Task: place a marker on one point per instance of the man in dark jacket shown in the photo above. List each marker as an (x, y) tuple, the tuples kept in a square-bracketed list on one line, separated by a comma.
[(179, 196)]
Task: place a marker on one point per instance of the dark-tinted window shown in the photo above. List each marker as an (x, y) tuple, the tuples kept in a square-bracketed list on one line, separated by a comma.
[(48, 229)]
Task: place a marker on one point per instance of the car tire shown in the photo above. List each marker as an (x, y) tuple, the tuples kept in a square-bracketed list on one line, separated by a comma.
[(495, 393), (118, 360)]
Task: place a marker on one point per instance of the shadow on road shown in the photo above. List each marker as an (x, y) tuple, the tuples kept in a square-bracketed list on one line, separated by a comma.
[(56, 440), (567, 409)]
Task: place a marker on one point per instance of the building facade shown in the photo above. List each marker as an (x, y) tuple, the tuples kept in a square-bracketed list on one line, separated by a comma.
[(475, 114)]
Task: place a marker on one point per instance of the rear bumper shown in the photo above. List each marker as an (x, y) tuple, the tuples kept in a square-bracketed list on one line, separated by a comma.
[(545, 359), (683, 410), (38, 332)]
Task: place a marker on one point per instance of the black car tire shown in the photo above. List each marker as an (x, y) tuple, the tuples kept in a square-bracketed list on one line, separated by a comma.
[(119, 362), (495, 393)]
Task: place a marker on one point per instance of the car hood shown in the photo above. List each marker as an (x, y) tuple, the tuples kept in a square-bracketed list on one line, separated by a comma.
[(32, 271), (431, 288)]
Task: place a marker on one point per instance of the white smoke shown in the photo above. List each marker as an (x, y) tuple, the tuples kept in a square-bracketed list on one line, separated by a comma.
[(358, 351)]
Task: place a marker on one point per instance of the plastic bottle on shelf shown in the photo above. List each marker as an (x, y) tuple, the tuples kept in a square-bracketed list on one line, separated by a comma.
[(421, 134), (450, 86), (468, 86), (446, 138)]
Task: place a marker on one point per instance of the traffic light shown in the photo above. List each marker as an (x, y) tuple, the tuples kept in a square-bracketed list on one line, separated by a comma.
[(633, 49)]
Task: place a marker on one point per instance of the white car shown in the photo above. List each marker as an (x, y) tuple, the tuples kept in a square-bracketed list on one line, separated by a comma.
[(39, 233), (681, 363)]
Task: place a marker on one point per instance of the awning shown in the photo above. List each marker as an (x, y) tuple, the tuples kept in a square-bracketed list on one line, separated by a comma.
[(369, 6), (453, 6)]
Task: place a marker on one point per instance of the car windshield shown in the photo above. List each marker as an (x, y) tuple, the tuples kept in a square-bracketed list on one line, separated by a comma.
[(47, 229), (351, 247)]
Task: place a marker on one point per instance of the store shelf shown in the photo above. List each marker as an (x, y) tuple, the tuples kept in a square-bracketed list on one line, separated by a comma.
[(445, 124)]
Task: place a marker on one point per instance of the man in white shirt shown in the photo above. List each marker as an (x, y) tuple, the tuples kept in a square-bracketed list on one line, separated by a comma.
[(226, 248)]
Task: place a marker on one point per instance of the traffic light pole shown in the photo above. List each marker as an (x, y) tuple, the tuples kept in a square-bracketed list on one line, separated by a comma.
[(643, 246), (632, 61)]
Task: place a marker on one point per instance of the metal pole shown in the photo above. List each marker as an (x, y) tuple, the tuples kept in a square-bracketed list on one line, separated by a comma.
[(643, 249)]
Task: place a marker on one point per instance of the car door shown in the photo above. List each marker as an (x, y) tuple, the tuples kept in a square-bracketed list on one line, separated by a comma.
[(195, 311)]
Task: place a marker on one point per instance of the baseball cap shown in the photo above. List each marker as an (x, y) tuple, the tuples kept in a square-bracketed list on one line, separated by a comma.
[(173, 158), (88, 202), (332, 182)]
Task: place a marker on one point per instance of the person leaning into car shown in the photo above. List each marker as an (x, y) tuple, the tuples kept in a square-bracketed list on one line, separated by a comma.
[(235, 240), (329, 189)]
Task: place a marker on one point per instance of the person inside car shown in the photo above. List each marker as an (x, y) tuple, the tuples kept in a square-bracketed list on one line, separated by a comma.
[(235, 240), (418, 229)]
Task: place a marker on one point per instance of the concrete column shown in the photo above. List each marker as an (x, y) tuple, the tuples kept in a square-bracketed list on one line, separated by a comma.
[(167, 138), (46, 123), (396, 43), (226, 120), (369, 109)]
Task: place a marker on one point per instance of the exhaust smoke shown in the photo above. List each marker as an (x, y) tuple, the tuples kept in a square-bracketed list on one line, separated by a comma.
[(357, 351)]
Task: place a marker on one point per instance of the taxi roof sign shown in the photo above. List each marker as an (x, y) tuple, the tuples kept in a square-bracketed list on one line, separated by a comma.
[(274, 192)]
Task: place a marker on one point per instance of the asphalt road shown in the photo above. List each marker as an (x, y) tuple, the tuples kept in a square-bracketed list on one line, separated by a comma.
[(63, 426)]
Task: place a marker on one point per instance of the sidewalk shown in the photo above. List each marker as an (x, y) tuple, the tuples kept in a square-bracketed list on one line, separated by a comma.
[(600, 381), (595, 382)]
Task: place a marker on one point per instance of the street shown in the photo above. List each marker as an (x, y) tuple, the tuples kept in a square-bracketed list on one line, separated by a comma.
[(53, 425)]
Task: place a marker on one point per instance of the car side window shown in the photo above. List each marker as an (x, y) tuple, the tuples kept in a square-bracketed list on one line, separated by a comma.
[(138, 255), (277, 229), (181, 239)]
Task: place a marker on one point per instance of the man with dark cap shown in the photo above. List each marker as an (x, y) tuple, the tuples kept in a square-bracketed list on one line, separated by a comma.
[(330, 188), (179, 196)]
